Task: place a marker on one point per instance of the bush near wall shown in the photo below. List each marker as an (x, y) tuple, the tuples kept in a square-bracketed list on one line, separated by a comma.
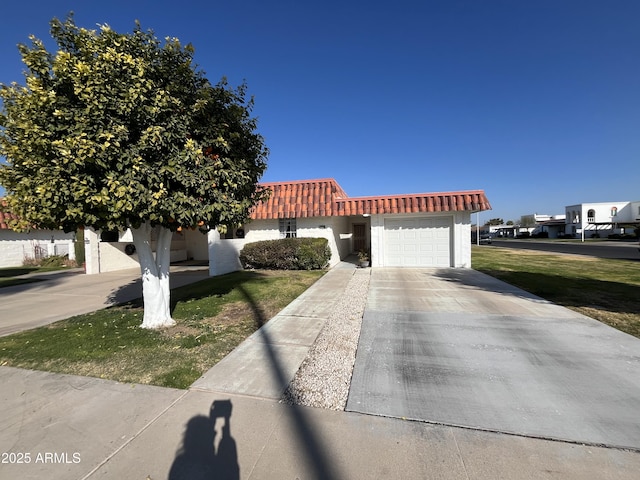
[(287, 254)]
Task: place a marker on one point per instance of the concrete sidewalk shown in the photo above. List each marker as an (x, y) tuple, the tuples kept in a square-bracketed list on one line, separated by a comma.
[(85, 428), (64, 294)]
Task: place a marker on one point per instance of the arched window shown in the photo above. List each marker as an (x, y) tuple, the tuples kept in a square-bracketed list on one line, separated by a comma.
[(591, 216)]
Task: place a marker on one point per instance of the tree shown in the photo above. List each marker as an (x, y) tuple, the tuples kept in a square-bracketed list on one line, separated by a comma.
[(495, 221), (118, 131)]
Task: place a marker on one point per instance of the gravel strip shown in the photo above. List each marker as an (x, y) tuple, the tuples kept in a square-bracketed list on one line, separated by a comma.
[(323, 379)]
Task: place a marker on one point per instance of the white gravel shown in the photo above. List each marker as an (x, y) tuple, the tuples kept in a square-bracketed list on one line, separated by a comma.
[(323, 379)]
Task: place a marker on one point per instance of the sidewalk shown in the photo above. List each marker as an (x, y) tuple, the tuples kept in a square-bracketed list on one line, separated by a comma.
[(86, 428), (64, 294)]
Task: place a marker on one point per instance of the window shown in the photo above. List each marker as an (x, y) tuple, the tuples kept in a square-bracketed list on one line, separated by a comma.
[(591, 216), (287, 227)]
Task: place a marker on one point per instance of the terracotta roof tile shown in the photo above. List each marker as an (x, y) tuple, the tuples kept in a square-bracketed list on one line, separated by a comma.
[(324, 197)]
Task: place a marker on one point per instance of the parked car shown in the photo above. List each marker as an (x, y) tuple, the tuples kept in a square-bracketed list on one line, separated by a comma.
[(485, 239)]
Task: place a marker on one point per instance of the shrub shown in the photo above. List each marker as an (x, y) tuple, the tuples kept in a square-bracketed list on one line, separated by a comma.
[(51, 261), (287, 254)]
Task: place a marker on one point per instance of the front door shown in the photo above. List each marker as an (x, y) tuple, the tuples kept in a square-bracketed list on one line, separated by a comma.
[(359, 237)]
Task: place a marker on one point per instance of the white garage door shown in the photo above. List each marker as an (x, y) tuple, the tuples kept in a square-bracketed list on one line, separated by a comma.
[(417, 242)]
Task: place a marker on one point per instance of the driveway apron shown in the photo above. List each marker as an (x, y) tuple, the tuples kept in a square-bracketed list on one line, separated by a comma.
[(457, 347)]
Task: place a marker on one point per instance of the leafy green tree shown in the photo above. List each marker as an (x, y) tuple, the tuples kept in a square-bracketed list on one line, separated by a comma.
[(117, 131), (495, 221)]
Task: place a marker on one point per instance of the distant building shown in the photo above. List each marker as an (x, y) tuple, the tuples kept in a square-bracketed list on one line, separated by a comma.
[(18, 247), (549, 226), (589, 220)]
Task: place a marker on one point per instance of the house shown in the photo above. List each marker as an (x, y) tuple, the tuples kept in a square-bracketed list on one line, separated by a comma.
[(587, 220), (410, 230), (16, 247)]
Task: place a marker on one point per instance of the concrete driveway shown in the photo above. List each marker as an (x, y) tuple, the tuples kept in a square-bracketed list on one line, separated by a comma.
[(457, 347), (65, 294)]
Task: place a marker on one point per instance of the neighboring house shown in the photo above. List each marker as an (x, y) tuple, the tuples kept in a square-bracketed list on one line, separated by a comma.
[(111, 251), (588, 220), (418, 230), (16, 247), (535, 224), (554, 227), (410, 230)]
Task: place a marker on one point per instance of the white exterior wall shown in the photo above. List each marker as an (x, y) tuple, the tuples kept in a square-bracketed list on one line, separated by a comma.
[(330, 228), (112, 257), (103, 257), (196, 244), (460, 240), (15, 247), (377, 240), (223, 254), (577, 217)]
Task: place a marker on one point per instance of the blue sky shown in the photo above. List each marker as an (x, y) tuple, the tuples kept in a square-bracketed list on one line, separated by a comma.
[(536, 102)]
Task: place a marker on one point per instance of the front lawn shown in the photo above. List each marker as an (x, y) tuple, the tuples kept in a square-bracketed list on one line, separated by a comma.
[(213, 317), (604, 289)]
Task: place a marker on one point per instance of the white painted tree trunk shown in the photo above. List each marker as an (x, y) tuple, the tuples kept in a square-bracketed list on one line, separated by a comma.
[(155, 275)]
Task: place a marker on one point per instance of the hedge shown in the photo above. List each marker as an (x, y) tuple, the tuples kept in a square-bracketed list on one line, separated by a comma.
[(287, 254)]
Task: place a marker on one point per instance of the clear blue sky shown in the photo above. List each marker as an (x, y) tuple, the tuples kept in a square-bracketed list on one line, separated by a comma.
[(536, 102)]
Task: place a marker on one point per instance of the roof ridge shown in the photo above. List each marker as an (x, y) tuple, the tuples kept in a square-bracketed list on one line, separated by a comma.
[(430, 194)]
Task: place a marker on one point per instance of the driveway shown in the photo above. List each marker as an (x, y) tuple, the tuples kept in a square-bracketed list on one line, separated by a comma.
[(457, 347), (64, 295)]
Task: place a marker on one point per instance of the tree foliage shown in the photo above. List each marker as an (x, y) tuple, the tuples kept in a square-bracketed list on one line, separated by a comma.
[(495, 221), (116, 130)]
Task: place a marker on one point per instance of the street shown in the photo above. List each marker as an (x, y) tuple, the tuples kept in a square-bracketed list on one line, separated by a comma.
[(618, 250)]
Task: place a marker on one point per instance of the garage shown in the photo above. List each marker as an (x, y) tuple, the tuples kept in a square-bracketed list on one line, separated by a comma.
[(417, 242)]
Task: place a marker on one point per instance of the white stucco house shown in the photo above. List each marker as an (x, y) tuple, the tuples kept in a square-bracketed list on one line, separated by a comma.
[(587, 220), (16, 247), (407, 230)]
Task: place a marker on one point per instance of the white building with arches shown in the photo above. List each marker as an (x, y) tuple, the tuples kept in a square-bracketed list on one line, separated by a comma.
[(589, 220)]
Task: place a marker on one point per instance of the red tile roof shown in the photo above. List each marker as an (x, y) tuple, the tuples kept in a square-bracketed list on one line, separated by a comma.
[(325, 198)]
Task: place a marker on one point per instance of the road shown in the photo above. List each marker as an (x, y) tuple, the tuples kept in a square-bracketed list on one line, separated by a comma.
[(621, 250)]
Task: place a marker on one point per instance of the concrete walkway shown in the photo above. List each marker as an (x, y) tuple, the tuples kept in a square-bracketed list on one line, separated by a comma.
[(64, 294), (85, 428)]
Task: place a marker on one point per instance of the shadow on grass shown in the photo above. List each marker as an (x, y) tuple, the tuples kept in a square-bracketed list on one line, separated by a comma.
[(15, 271), (566, 291), (317, 456), (197, 458), (131, 293)]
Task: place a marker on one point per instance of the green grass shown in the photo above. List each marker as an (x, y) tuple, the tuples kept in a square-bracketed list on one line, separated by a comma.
[(213, 317), (604, 289)]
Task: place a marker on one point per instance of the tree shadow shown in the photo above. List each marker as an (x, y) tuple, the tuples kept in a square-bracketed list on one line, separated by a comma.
[(198, 460), (198, 457), (316, 454), (130, 294), (566, 291)]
